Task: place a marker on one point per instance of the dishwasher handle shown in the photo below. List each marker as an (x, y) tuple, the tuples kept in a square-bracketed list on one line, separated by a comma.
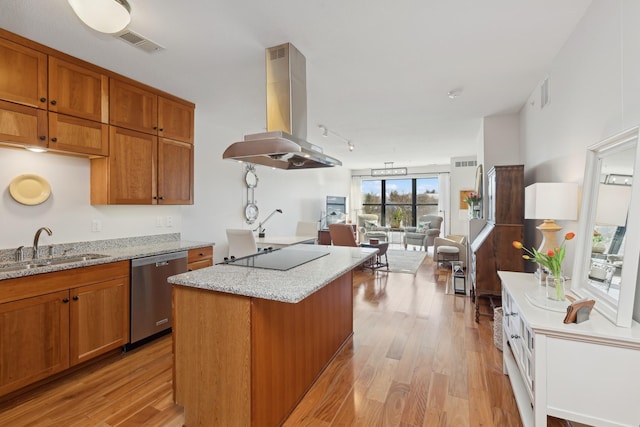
[(158, 260)]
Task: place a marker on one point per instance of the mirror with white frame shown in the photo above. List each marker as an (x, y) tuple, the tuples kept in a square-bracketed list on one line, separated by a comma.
[(606, 262)]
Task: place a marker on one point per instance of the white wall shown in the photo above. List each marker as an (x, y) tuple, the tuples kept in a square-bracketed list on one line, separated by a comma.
[(594, 93), (68, 211), (462, 178)]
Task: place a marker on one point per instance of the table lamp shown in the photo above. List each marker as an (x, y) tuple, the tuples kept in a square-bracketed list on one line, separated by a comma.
[(551, 201)]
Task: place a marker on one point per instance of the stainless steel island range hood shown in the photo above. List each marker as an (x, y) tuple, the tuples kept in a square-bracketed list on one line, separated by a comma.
[(284, 145)]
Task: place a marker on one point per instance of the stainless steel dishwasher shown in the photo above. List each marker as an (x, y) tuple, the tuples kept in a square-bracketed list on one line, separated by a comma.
[(151, 294)]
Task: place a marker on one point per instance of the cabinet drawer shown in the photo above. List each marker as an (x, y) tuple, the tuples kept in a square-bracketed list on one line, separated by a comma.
[(199, 264), (200, 254)]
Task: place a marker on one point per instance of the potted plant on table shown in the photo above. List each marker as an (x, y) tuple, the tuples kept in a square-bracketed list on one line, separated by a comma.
[(473, 200), (396, 218)]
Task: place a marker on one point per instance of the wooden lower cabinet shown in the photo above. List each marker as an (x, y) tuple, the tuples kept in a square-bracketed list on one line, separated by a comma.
[(243, 361), (200, 258), (47, 326), (99, 319), (34, 339)]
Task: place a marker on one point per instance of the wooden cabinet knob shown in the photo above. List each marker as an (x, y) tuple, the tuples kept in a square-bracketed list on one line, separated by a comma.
[(43, 99), (65, 300), (54, 102), (42, 137), (76, 297), (54, 139)]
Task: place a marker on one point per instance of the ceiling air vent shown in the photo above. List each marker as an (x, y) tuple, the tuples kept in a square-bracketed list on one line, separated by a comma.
[(139, 41)]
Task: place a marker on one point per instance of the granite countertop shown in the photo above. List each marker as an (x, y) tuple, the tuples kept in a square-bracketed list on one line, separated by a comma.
[(290, 286), (111, 251)]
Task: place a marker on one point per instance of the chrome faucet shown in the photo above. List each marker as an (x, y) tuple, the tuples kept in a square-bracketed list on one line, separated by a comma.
[(36, 255)]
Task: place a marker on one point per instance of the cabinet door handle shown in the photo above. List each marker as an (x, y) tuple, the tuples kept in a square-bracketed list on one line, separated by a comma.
[(161, 129), (155, 128), (76, 297), (54, 139), (515, 336), (43, 99), (54, 102), (161, 198), (65, 300), (42, 137), (201, 253)]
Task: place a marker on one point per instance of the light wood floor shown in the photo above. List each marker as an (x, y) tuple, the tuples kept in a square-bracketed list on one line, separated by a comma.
[(417, 358)]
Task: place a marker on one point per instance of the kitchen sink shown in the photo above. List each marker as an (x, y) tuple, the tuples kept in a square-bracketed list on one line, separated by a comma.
[(45, 262)]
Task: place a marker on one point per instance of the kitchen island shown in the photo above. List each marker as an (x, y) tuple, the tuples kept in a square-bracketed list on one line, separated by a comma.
[(249, 342)]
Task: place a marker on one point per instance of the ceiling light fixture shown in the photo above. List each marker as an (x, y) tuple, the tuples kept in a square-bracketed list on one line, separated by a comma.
[(454, 93), (105, 16), (388, 171), (326, 132)]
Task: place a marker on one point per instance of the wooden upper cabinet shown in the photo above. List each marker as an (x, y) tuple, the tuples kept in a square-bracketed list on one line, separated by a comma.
[(23, 75), (133, 107), (74, 135), (128, 175), (22, 125), (175, 120), (175, 172), (78, 91)]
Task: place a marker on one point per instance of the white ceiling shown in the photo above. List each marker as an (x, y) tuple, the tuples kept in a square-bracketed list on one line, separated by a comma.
[(378, 71)]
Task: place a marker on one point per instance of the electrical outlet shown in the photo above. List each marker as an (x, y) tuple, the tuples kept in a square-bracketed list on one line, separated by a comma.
[(169, 221), (96, 225), (159, 222)]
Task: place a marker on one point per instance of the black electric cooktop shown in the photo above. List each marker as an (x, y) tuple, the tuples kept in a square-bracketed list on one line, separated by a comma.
[(277, 259)]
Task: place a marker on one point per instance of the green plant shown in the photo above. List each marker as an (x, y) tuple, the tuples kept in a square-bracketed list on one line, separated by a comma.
[(397, 215)]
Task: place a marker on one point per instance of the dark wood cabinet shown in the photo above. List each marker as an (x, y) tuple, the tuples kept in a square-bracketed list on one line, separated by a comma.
[(492, 250)]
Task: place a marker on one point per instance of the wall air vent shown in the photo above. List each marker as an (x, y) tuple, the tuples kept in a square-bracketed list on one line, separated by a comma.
[(139, 41), (466, 163)]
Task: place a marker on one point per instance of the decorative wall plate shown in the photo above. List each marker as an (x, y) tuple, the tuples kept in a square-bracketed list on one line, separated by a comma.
[(29, 189), (251, 212)]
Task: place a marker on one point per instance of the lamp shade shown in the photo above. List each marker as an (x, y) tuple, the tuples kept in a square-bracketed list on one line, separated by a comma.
[(105, 16), (551, 200), (613, 204)]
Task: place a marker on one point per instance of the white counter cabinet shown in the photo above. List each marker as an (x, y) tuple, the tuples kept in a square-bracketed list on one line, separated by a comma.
[(587, 372)]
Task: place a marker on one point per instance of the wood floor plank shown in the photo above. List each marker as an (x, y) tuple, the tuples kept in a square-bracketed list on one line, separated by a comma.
[(417, 358)]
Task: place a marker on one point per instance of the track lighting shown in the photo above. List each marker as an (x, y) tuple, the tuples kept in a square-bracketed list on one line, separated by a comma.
[(326, 132)]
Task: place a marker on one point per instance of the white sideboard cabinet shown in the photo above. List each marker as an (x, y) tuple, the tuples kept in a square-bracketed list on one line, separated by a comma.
[(587, 373)]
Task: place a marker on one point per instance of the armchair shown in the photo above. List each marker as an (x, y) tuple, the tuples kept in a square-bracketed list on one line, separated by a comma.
[(424, 234), (369, 228), (459, 242)]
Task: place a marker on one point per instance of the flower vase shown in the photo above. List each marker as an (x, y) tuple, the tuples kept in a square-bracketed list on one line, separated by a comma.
[(555, 287), (473, 213)]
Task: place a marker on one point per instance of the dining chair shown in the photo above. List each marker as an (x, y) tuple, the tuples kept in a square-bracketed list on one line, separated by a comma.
[(241, 243)]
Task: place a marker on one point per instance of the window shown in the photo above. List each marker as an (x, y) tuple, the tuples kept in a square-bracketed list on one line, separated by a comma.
[(413, 197)]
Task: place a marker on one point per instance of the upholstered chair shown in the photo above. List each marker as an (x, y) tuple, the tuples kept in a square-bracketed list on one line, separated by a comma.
[(423, 235), (342, 235), (369, 228), (455, 241), (241, 243)]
